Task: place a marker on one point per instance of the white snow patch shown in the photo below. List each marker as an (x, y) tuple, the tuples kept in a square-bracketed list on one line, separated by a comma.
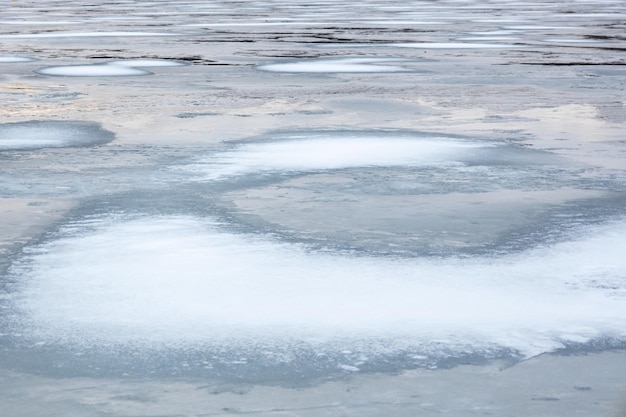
[(314, 154), (94, 70)]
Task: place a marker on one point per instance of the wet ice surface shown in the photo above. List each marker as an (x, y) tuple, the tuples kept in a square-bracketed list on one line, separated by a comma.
[(356, 243), (51, 134), (303, 303)]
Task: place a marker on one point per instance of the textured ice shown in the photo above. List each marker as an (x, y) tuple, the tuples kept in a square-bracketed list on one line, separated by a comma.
[(178, 280), (337, 65), (52, 134)]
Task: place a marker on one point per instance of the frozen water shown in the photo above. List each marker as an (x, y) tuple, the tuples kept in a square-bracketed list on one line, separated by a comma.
[(110, 69), (337, 150), (179, 281), (46, 22), (451, 45), (182, 284), (84, 35), (51, 134), (147, 63), (11, 59), (295, 251), (92, 70), (337, 65)]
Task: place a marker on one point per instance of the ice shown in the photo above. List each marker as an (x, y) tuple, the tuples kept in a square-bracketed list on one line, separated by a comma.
[(179, 280), (337, 65), (51, 134), (132, 63), (451, 45), (83, 35), (38, 22), (119, 68), (328, 150), (14, 59), (93, 70)]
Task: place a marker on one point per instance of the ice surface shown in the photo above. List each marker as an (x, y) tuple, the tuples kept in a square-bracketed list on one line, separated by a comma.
[(84, 35), (110, 69), (51, 134), (94, 70), (327, 150), (337, 65), (327, 153), (38, 22), (180, 281), (451, 45), (11, 59), (147, 63)]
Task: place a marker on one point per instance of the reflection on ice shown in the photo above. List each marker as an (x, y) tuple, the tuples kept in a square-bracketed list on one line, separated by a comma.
[(51, 134), (180, 281), (337, 65)]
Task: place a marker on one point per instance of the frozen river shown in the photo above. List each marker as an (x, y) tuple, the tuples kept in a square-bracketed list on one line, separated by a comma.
[(418, 205)]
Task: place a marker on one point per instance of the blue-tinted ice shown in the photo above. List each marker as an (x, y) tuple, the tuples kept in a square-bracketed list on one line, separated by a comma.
[(52, 134), (200, 288)]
